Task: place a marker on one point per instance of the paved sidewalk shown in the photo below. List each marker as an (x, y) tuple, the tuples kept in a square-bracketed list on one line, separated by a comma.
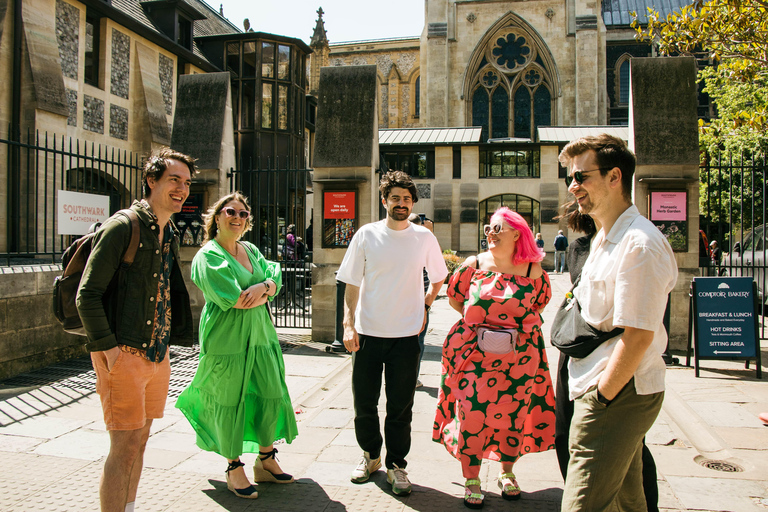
[(53, 441)]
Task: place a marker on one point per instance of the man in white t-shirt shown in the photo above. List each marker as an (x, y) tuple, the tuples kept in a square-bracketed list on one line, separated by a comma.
[(617, 389), (385, 308)]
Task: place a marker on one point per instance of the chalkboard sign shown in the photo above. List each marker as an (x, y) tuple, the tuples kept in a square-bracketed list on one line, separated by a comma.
[(723, 314)]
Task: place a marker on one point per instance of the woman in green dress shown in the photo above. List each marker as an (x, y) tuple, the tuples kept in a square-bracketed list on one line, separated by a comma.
[(238, 401)]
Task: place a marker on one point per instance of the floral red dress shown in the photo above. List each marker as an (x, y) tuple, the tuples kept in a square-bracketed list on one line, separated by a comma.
[(492, 406)]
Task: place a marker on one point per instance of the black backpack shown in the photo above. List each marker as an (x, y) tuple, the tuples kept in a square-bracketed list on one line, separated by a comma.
[(73, 263)]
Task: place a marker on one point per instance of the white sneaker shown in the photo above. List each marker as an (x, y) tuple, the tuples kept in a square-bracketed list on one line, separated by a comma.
[(364, 469), (399, 480)]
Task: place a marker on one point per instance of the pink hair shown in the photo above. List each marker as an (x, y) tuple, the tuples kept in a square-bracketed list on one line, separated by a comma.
[(526, 249)]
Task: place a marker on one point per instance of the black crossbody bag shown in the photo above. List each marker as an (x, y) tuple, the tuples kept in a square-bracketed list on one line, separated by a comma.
[(572, 335)]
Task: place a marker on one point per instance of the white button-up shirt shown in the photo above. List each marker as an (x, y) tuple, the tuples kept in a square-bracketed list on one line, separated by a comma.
[(624, 283)]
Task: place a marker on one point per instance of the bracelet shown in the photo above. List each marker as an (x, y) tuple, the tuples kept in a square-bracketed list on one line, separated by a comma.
[(266, 283)]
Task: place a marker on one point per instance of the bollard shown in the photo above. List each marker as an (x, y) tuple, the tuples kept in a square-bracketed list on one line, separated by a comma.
[(669, 359), (338, 343)]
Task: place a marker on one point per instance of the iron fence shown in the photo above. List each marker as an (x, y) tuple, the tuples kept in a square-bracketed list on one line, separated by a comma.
[(38, 166), (733, 214), (278, 199)]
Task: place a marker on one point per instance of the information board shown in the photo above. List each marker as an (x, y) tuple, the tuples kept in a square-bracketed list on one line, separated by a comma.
[(76, 211), (668, 213), (338, 217), (723, 311)]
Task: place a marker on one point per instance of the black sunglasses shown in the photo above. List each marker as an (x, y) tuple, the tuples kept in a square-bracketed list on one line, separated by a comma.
[(579, 175), (231, 212)]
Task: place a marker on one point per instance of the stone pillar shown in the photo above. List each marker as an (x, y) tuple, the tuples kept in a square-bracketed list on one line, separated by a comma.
[(435, 65), (590, 74), (346, 158), (202, 128), (663, 133)]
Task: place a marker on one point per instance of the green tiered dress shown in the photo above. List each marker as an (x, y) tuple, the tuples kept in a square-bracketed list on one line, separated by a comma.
[(238, 398)]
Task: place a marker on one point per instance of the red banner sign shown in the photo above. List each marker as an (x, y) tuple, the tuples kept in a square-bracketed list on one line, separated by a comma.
[(339, 205)]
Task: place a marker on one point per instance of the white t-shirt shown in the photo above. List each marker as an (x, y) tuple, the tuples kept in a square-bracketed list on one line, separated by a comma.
[(387, 266), (624, 283)]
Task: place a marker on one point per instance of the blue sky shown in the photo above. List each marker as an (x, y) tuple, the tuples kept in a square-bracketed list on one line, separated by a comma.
[(345, 20)]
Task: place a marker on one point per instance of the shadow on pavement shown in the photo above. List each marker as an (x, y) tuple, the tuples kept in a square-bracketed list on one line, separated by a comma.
[(304, 495)]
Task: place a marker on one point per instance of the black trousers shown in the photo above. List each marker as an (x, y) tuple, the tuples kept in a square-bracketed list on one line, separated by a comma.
[(563, 416), (399, 360)]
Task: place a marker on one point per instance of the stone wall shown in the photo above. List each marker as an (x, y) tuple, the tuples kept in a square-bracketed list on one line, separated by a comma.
[(397, 69), (30, 336)]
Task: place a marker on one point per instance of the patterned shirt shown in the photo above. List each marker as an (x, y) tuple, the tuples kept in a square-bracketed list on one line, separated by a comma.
[(161, 334)]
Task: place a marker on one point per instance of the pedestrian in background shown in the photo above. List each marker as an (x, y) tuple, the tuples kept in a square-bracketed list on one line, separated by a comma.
[(238, 401), (129, 330), (385, 309), (539, 241), (496, 399), (618, 388), (561, 245)]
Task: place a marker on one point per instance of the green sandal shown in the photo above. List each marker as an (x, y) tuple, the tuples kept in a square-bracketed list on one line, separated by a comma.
[(509, 491), (469, 495)]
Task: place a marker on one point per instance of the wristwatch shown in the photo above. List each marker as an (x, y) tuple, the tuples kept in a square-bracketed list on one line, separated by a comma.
[(427, 307)]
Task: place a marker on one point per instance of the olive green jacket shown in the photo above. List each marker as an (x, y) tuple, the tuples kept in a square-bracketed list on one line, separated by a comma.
[(127, 316)]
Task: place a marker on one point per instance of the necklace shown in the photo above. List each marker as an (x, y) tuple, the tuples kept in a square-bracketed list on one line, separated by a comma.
[(237, 248)]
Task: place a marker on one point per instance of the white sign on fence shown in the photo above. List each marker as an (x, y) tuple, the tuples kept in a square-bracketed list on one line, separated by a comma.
[(77, 211)]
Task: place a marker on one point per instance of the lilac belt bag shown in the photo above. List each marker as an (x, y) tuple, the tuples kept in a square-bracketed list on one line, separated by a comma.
[(496, 341)]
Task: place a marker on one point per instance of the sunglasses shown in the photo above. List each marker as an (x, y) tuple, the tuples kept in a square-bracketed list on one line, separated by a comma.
[(488, 229), (231, 212), (579, 175)]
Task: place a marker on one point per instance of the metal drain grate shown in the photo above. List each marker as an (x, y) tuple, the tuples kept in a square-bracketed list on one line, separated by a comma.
[(719, 465)]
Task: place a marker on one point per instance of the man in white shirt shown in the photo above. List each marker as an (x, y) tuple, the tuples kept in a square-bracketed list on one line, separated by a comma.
[(385, 308), (618, 389)]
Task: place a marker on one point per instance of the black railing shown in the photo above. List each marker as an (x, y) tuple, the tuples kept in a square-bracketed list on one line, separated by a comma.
[(278, 199), (733, 213), (38, 166)]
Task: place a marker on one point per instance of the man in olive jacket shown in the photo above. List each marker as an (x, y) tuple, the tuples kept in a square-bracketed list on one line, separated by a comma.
[(131, 316)]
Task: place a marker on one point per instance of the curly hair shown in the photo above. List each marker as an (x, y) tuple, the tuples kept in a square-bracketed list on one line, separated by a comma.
[(157, 163), (209, 217), (397, 179)]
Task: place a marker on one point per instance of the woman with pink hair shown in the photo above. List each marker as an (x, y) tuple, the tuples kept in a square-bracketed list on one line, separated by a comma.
[(496, 399)]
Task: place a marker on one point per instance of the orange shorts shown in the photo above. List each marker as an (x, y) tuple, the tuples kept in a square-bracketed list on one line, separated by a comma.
[(134, 391)]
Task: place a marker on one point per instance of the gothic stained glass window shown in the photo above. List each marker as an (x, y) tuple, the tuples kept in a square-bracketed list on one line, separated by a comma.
[(511, 51), (500, 113), (511, 76), (480, 110), (542, 107), (522, 113)]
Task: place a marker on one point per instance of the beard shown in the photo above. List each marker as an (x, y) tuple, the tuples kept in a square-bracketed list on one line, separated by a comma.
[(399, 213)]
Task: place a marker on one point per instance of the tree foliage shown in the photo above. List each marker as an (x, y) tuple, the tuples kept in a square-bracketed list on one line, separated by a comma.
[(733, 35)]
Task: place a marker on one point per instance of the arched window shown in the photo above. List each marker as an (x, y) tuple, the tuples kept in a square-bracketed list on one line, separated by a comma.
[(417, 97), (624, 82), (527, 207), (512, 83)]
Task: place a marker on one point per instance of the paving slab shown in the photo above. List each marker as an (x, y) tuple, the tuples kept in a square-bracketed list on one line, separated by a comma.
[(78, 444), (332, 418), (697, 493), (43, 427), (725, 414)]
